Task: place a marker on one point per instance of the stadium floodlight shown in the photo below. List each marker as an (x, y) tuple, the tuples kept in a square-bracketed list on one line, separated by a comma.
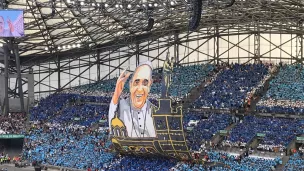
[(129, 6), (172, 3), (120, 6), (150, 5), (82, 3), (74, 46), (78, 45), (69, 46), (155, 4), (106, 5), (59, 48), (116, 5), (63, 47), (46, 48)]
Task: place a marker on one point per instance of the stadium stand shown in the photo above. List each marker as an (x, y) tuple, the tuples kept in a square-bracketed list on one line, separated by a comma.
[(278, 131), (205, 128), (246, 163), (285, 94), (142, 163), (72, 147), (185, 166), (50, 106), (12, 124), (84, 115), (67, 118), (61, 108), (295, 163), (230, 163), (181, 82), (185, 78), (230, 87)]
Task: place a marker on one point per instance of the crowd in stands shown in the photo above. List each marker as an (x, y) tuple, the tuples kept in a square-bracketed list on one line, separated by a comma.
[(285, 94), (142, 163), (227, 162), (243, 162), (14, 123), (72, 146), (205, 128), (279, 132), (71, 108), (220, 162), (184, 78), (260, 88), (50, 106), (83, 114), (295, 162), (230, 87)]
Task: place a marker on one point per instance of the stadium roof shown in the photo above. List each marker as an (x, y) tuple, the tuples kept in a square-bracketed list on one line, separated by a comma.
[(60, 28)]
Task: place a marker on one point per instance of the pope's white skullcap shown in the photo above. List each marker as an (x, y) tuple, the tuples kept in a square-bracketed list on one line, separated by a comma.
[(149, 63)]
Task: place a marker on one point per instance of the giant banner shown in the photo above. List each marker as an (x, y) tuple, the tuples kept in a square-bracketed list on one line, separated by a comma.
[(139, 127)]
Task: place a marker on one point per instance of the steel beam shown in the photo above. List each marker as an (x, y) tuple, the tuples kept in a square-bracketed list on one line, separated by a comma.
[(257, 44), (137, 54), (59, 73), (216, 45), (6, 78), (98, 65), (19, 79), (176, 47)]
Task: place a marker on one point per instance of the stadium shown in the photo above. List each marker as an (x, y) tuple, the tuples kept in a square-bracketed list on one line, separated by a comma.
[(152, 85)]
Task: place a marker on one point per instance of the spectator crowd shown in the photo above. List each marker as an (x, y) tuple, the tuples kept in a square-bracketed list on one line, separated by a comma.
[(277, 132), (230, 87), (285, 94), (14, 123)]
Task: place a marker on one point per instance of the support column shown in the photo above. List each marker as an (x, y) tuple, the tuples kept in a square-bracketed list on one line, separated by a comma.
[(257, 44), (299, 44), (16, 52), (176, 47), (301, 47), (98, 65), (6, 66), (109, 64), (59, 77), (137, 54), (216, 45)]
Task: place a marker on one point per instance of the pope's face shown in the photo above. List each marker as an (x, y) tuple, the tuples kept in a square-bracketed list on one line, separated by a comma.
[(140, 86)]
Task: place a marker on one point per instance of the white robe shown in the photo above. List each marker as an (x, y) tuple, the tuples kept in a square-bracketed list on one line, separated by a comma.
[(139, 123)]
